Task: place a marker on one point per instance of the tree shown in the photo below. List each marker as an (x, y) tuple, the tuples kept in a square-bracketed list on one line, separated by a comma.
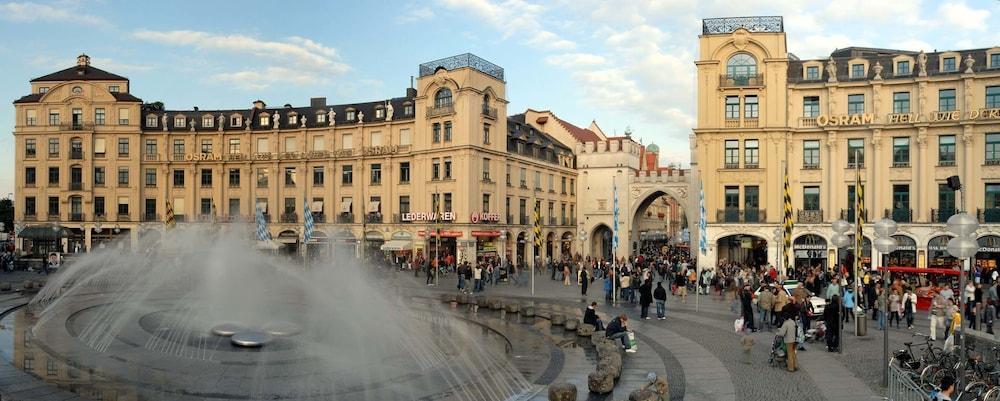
[(7, 214), (154, 106)]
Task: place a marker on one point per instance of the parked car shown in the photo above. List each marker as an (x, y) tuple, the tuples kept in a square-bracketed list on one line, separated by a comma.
[(818, 303)]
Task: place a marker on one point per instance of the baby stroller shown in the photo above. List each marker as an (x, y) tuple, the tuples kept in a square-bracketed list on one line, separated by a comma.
[(817, 333), (777, 352)]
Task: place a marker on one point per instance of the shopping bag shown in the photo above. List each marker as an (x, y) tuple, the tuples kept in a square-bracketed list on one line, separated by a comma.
[(633, 345), (738, 325)]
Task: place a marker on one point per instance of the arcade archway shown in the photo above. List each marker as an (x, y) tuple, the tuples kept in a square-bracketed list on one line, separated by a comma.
[(658, 220), (746, 249), (600, 242)]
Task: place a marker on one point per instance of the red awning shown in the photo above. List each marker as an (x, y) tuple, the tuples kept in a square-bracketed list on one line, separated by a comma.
[(920, 270)]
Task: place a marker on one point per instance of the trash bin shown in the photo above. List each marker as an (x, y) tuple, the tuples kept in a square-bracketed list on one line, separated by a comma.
[(861, 324)]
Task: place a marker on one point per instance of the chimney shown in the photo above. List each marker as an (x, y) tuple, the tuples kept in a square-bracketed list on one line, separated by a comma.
[(195, 108), (259, 104), (317, 102)]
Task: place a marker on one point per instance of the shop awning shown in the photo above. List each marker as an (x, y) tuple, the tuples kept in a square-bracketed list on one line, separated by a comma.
[(317, 207), (345, 206), (373, 206), (268, 245), (398, 245), (46, 232)]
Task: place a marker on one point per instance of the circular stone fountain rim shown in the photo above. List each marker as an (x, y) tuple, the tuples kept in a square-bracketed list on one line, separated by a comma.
[(250, 339), (228, 329)]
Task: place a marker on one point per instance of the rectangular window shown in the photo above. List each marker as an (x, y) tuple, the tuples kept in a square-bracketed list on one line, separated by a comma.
[(234, 178), (348, 141), (563, 191), (948, 64), (206, 206), (732, 198), (447, 131), (180, 122), (29, 206), (946, 150), (321, 118), (732, 154), (178, 148), (99, 176), (992, 196), (347, 175), (206, 177), (319, 176), (376, 174), (207, 122), (234, 146), (179, 178), (812, 73), (289, 176), (122, 176), (524, 179), (206, 146), (291, 144), (486, 169), (263, 145), (404, 204), (486, 203), (289, 205), (901, 102), (750, 107), (751, 153), (901, 152), (810, 198), (122, 206), (436, 133), (538, 180), (447, 202), (262, 177), (319, 143), (234, 207), (53, 117), (405, 138), (53, 147), (150, 147), (992, 97), (856, 104), (265, 121), (751, 200), (993, 148), (523, 208), (857, 71), (151, 121), (30, 148), (447, 168), (53, 206), (900, 200), (29, 176), (851, 193), (99, 206), (404, 172), (122, 147), (551, 185), (114, 88), (572, 186), (946, 202), (236, 121), (486, 134), (53, 176), (732, 107), (293, 119), (946, 100), (810, 106), (855, 153), (123, 116), (435, 169), (995, 60), (31, 117), (376, 139), (150, 177), (903, 67), (99, 116)]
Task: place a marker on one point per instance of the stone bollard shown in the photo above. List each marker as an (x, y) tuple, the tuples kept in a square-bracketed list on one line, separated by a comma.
[(528, 311), (600, 382), (572, 324), (513, 307), (585, 330), (464, 299), (28, 284), (612, 363), (562, 392), (483, 302), (597, 337), (558, 319), (5, 286), (642, 395), (496, 304)]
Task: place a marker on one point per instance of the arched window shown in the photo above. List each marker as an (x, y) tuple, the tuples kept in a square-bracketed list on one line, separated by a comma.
[(442, 98), (741, 65)]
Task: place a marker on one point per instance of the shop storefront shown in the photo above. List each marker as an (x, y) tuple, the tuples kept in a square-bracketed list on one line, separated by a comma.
[(399, 247), (345, 245), (566, 245), (373, 245), (522, 244), (988, 256), (290, 242), (742, 248), (318, 246), (846, 257), (905, 254), (76, 241), (810, 251), (41, 240), (444, 245), (937, 253), (487, 244)]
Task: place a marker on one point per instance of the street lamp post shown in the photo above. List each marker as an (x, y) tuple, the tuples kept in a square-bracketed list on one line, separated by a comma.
[(963, 246), (840, 240), (885, 244), (503, 250), (778, 247)]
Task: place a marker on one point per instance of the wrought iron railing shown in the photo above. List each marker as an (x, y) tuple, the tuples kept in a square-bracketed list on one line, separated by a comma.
[(989, 215), (124, 217), (942, 215), (75, 186), (440, 110), (490, 112), (76, 154), (810, 216), (76, 217), (462, 60), (751, 24), (900, 215), (319, 218), (740, 80), (734, 215), (77, 127), (151, 217), (373, 218), (345, 218), (848, 215)]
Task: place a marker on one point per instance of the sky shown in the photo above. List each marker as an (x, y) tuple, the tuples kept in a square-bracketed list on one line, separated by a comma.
[(628, 64)]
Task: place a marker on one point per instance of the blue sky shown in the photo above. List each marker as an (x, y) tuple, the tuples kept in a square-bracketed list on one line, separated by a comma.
[(622, 63)]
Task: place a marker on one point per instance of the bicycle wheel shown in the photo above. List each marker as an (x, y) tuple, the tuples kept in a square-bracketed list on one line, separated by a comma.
[(992, 394), (973, 391), (940, 374), (926, 375)]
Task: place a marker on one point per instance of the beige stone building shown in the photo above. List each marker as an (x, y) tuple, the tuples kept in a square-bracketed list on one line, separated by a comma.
[(907, 119), (94, 163)]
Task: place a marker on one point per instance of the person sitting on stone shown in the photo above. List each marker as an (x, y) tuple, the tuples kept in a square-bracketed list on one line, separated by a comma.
[(618, 330), (590, 317)]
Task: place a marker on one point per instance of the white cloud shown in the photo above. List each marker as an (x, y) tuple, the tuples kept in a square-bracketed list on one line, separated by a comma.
[(412, 14), (295, 60), (567, 60), (513, 18), (35, 12), (50, 63), (957, 15), (912, 44), (550, 41)]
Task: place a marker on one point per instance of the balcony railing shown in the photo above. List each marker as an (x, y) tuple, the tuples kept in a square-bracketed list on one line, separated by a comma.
[(807, 122), (739, 81), (848, 215), (810, 216), (552, 221), (124, 217), (76, 154), (319, 218), (490, 112), (731, 166), (524, 220), (345, 218), (76, 186), (900, 215), (289, 218), (732, 123), (76, 217), (942, 215), (750, 122), (151, 217), (177, 157), (151, 157), (373, 218), (440, 110), (77, 127), (989, 215), (734, 215)]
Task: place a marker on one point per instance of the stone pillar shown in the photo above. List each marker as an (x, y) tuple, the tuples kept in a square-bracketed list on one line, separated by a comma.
[(86, 238), (923, 187)]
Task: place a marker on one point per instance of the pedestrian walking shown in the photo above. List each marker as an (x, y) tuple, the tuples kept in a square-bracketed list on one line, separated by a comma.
[(660, 296), (789, 334), (939, 306), (831, 316), (584, 281), (645, 297)]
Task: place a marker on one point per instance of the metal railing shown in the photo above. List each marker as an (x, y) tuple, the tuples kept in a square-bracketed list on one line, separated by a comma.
[(319, 218), (75, 186), (848, 215), (151, 217), (900, 215), (77, 127), (76, 217), (737, 81), (989, 215), (289, 218), (440, 111), (373, 218), (524, 220), (345, 218), (734, 215), (76, 154), (902, 387), (552, 221), (490, 112), (942, 215), (124, 217), (810, 216)]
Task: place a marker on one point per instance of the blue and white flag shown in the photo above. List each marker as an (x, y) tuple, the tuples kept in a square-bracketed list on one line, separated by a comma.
[(702, 225), (262, 233), (614, 240), (308, 232)]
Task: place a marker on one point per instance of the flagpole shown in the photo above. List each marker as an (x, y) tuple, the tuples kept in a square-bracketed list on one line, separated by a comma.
[(859, 240), (614, 241)]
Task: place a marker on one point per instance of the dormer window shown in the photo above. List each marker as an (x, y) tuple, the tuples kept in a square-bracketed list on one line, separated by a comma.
[(207, 121), (903, 67), (379, 112), (293, 119), (77, 89), (857, 71), (320, 117), (407, 109), (995, 60), (350, 115), (114, 88), (265, 120), (180, 121), (812, 73), (43, 89), (948, 64), (236, 121), (151, 120)]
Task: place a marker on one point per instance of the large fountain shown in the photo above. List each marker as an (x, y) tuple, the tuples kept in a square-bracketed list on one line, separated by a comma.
[(200, 314)]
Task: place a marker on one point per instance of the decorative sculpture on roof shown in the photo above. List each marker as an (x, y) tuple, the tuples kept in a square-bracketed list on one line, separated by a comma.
[(221, 120), (331, 116), (247, 122), (302, 121), (878, 71), (388, 110), (192, 125), (831, 70), (361, 117), (277, 119), (969, 62), (922, 62), (163, 121)]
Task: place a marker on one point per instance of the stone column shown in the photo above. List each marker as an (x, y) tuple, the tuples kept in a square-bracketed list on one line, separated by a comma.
[(86, 238), (924, 185)]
